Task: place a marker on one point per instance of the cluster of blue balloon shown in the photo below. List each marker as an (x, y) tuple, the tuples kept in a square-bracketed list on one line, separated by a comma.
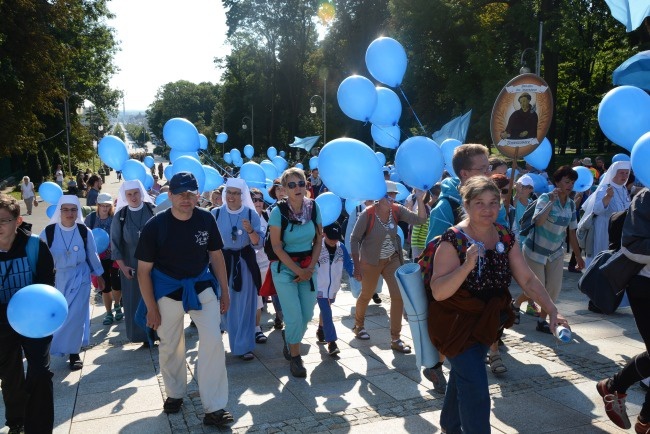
[(624, 117), (37, 311), (359, 99), (51, 193)]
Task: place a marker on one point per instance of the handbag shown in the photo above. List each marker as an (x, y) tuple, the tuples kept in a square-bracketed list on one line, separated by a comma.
[(597, 287), (584, 233), (35, 202)]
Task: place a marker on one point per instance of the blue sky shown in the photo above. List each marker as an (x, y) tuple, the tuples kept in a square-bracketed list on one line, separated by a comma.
[(163, 41)]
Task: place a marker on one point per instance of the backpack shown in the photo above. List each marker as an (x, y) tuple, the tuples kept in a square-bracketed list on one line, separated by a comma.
[(283, 206), (49, 233), (122, 213), (31, 249)]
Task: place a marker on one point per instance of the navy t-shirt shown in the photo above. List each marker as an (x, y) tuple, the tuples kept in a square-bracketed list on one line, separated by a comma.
[(184, 251)]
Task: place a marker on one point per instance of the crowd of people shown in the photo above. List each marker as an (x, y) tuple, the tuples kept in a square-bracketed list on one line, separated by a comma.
[(233, 255)]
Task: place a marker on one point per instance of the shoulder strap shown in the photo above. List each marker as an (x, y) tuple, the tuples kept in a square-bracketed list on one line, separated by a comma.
[(313, 213), (33, 243), (396, 212), (83, 231), (49, 234), (216, 213), (93, 219), (284, 219), (122, 217), (370, 222), (249, 214)]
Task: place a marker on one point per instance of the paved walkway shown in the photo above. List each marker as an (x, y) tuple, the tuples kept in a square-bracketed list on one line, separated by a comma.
[(549, 387)]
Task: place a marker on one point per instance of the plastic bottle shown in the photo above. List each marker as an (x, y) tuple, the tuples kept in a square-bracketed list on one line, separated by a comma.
[(563, 334)]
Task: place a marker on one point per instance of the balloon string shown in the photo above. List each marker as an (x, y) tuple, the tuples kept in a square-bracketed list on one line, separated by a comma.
[(412, 111)]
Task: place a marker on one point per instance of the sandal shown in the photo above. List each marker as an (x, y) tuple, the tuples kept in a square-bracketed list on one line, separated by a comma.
[(247, 357), (118, 312), (361, 333), (108, 319), (543, 327), (260, 338), (496, 364), (517, 313), (400, 347)]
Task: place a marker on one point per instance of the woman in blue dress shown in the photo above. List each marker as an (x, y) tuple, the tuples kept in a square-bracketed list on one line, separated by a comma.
[(74, 262), (239, 226)]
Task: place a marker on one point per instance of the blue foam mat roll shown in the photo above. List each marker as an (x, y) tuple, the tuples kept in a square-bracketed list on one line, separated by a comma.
[(411, 286)]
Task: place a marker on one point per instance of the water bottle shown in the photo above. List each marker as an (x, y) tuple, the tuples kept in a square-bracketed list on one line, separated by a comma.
[(563, 334)]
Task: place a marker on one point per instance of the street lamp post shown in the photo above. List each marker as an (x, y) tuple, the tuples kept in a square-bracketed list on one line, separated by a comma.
[(538, 55), (252, 122), (313, 110)]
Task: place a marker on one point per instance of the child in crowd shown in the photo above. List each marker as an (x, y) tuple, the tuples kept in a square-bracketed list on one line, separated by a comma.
[(334, 257)]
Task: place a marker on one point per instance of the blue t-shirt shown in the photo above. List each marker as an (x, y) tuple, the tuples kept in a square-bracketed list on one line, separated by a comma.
[(296, 237)]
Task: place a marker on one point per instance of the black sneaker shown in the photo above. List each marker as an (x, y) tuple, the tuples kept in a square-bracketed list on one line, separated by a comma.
[(333, 349), (376, 298), (16, 429), (218, 418), (297, 368), (320, 334), (172, 405), (278, 325)]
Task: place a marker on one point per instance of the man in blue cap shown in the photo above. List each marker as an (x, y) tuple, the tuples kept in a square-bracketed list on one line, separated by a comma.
[(174, 253)]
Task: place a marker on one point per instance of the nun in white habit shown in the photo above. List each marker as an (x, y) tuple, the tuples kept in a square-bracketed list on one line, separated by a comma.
[(74, 262), (134, 208), (611, 196)]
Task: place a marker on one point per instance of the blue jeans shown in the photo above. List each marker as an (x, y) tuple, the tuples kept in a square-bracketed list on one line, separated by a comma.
[(467, 400), (324, 304)]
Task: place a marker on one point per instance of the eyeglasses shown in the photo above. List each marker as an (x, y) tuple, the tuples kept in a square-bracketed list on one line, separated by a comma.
[(5, 221), (233, 193), (291, 185), (233, 233), (69, 209), (258, 199)]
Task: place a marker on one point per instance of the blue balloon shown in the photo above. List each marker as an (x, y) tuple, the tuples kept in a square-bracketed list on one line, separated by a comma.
[(400, 234), (50, 210), (350, 170), (267, 196), (112, 151), (624, 115), (50, 192), (213, 178), (249, 151), (351, 205), (253, 174), (161, 198), (539, 183), (386, 60), (620, 157), (448, 146), (148, 181), (419, 162), (280, 163), (192, 165), (102, 240), (271, 152), (168, 172), (299, 166), (541, 156), (402, 192), (181, 135), (585, 179), (174, 154), (509, 173), (313, 163), (227, 157), (394, 176), (238, 161), (203, 142), (269, 169), (281, 154), (222, 137), (357, 97), (381, 157), (386, 137), (330, 206), (235, 154), (640, 157), (388, 109), (37, 311), (133, 169), (148, 161)]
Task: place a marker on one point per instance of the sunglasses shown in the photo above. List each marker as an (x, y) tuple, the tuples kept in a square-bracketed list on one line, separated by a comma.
[(233, 233), (293, 185), (258, 199)]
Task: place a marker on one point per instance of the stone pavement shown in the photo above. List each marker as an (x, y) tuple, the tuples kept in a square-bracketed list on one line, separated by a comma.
[(549, 386)]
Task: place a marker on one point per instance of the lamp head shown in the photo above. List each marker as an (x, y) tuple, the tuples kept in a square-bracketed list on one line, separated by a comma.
[(313, 109)]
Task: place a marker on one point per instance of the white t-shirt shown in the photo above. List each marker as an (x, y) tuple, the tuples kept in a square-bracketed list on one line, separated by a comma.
[(59, 175), (27, 189)]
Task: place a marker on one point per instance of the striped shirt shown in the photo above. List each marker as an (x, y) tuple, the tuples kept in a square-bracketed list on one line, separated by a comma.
[(546, 242)]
